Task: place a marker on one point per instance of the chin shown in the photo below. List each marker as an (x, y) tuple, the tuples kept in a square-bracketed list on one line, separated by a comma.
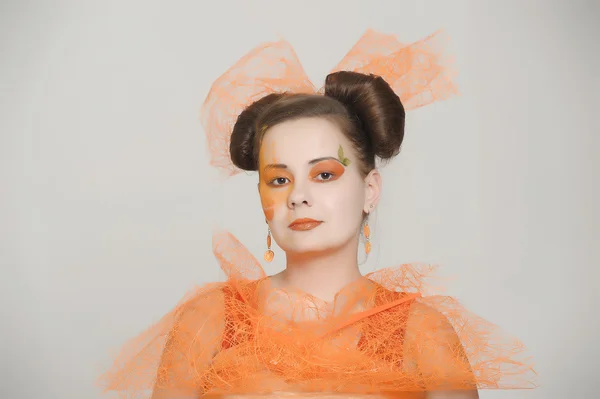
[(306, 242)]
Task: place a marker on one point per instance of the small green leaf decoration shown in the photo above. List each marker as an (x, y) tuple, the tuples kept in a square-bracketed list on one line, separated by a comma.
[(345, 161)]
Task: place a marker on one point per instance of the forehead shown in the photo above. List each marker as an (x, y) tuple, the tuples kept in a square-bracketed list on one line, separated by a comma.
[(302, 140)]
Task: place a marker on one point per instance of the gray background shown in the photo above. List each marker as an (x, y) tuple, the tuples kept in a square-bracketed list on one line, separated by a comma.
[(108, 203)]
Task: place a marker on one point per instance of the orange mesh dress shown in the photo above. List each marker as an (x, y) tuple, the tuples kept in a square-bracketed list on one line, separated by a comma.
[(384, 334)]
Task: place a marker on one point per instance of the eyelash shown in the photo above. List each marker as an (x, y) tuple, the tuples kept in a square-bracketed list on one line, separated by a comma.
[(273, 181)]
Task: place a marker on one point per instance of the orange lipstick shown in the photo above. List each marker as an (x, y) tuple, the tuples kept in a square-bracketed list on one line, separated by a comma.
[(304, 224)]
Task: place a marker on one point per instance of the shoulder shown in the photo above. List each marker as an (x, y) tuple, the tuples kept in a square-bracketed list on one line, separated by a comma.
[(432, 341), (425, 321), (420, 312), (435, 349), (202, 309), (199, 298), (217, 301)]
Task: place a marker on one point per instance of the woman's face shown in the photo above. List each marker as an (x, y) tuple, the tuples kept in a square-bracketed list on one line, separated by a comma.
[(311, 190)]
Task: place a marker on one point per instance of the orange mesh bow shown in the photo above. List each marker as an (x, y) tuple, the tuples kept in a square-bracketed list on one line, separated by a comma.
[(416, 72)]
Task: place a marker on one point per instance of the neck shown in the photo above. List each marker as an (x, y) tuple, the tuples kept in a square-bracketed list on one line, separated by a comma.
[(322, 274)]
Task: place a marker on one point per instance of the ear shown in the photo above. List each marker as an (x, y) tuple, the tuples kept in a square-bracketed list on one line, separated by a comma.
[(372, 190)]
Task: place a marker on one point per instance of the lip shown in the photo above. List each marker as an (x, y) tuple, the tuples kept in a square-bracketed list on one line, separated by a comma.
[(304, 224)]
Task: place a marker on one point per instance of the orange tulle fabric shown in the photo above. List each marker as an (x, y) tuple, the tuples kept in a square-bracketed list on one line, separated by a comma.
[(419, 74), (383, 334)]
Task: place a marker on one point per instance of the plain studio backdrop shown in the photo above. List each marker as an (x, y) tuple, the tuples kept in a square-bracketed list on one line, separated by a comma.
[(108, 202)]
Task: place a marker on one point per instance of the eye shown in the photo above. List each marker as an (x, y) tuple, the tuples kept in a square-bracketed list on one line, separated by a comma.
[(279, 181), (324, 176)]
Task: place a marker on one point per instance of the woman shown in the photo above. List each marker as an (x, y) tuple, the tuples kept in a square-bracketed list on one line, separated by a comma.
[(319, 327)]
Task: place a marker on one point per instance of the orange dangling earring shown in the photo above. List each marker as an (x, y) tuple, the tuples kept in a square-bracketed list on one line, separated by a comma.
[(269, 255), (367, 234)]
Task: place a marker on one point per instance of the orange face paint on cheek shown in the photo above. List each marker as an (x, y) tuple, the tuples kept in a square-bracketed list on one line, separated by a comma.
[(271, 197), (268, 205)]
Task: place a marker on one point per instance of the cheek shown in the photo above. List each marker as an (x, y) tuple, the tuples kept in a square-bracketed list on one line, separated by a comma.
[(344, 203), (272, 199)]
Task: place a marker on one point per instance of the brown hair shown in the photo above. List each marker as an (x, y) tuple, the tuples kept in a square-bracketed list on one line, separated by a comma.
[(364, 107)]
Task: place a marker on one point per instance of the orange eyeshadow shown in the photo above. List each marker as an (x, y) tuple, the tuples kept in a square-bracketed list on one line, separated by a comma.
[(329, 166)]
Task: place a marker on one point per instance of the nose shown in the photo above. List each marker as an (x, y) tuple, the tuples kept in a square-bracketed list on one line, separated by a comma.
[(299, 196)]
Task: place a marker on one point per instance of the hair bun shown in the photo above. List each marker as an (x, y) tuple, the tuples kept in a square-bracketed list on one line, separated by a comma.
[(378, 110), (241, 147)]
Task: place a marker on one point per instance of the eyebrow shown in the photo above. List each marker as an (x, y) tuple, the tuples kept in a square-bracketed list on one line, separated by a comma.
[(317, 160), (311, 162)]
